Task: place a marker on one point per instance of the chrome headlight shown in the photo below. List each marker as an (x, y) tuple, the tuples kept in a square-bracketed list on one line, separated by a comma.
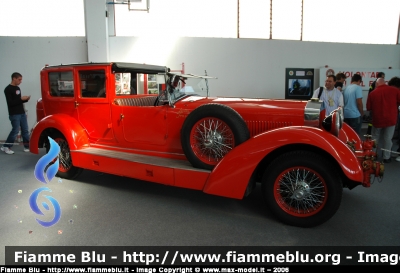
[(312, 112), (334, 122), (341, 112)]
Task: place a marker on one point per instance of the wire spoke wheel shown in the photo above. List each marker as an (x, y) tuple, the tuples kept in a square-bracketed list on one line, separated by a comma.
[(66, 168), (300, 191), (302, 188), (211, 139), (64, 156)]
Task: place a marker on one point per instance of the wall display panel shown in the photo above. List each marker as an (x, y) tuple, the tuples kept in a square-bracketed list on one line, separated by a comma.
[(299, 83)]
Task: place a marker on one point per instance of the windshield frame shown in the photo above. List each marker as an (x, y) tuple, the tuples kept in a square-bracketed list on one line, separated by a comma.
[(174, 83)]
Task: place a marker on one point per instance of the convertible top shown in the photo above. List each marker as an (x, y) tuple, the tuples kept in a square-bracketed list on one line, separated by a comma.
[(122, 67), (142, 68)]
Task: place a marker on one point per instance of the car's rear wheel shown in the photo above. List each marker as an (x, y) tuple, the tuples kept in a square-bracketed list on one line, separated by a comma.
[(302, 188), (66, 169), (210, 132)]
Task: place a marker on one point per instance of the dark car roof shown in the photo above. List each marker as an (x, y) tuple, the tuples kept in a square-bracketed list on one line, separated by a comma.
[(144, 68), (121, 67)]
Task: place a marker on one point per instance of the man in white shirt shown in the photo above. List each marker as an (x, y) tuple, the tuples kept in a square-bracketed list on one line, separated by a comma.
[(331, 97)]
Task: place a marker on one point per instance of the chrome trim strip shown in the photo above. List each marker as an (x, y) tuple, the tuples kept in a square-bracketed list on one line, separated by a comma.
[(144, 159), (131, 150)]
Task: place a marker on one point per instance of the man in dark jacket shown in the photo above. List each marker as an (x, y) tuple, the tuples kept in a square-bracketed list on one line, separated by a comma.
[(17, 115)]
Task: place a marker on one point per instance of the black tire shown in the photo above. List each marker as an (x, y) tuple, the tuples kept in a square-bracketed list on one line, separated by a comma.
[(210, 132), (302, 188), (66, 169)]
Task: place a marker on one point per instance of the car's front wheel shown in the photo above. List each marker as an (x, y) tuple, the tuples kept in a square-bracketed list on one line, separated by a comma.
[(302, 188), (66, 169)]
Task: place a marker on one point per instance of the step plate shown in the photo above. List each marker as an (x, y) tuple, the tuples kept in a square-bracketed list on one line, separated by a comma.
[(144, 159)]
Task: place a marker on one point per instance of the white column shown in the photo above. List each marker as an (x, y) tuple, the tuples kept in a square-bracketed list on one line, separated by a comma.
[(96, 26)]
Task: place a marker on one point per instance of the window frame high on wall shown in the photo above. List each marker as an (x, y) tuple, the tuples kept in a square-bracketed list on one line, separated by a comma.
[(272, 19)]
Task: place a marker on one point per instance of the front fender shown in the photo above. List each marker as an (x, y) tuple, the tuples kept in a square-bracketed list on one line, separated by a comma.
[(348, 134), (232, 174), (73, 132)]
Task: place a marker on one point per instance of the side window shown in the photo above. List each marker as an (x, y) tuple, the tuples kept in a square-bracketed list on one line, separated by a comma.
[(61, 84), (147, 84), (126, 84), (152, 86), (92, 83)]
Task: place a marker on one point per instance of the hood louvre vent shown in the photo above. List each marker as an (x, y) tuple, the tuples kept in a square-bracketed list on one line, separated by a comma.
[(257, 127)]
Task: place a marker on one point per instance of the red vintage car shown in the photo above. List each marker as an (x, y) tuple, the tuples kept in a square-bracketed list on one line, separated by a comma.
[(145, 122)]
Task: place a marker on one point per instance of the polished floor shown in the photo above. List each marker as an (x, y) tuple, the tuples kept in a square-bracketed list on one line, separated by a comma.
[(106, 210)]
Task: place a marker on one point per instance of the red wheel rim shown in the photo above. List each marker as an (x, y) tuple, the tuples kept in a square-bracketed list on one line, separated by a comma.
[(211, 139), (65, 161), (300, 191)]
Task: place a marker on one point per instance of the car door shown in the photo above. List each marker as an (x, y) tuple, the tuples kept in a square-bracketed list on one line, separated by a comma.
[(137, 121), (144, 124), (92, 103)]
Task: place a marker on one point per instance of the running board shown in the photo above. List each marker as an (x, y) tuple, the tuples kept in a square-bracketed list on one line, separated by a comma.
[(166, 171)]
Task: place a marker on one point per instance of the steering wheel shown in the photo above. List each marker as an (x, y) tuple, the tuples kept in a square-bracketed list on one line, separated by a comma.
[(157, 101), (162, 94)]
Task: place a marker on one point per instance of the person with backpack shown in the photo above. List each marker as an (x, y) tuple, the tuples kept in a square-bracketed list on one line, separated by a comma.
[(372, 86), (332, 98)]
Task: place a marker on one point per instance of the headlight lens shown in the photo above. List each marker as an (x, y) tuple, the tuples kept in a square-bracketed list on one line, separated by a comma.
[(334, 122)]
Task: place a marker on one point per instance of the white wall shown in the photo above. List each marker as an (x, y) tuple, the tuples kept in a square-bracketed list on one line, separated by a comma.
[(250, 67), (28, 56), (244, 67)]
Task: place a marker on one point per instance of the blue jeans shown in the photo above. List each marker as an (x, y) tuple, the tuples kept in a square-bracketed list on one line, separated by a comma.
[(386, 133), (354, 123), (18, 121)]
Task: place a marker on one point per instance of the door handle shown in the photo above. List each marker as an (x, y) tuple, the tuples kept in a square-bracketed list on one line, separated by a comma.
[(76, 104), (121, 116)]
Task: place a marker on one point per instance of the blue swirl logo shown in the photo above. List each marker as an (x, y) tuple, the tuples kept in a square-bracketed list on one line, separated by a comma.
[(35, 208), (40, 168), (43, 168)]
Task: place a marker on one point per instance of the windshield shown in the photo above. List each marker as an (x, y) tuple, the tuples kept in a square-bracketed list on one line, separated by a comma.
[(180, 86)]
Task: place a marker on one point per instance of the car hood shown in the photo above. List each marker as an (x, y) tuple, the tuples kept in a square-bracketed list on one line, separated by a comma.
[(259, 114)]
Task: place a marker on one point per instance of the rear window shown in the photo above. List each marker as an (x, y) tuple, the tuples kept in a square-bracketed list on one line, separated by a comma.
[(61, 84)]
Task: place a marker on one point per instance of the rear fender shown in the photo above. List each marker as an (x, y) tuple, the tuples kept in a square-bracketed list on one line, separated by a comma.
[(232, 174), (40, 114), (73, 132)]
